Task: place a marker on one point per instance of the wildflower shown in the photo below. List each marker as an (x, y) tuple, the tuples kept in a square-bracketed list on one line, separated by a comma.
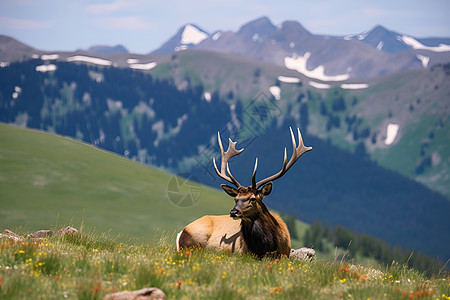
[(343, 280), (111, 274)]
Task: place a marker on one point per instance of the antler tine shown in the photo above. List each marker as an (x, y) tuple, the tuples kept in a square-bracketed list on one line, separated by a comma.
[(296, 153), (231, 151), (254, 174)]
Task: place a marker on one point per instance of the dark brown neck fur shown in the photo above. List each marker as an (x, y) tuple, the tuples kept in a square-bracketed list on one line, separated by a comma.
[(260, 233)]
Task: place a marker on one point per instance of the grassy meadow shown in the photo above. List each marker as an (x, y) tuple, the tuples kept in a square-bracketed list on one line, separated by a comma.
[(89, 267)]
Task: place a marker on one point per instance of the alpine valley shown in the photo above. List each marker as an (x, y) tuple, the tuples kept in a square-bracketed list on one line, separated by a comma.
[(374, 106)]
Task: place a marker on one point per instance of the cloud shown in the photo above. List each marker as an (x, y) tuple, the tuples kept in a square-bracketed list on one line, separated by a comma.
[(125, 23), (15, 23), (376, 12), (105, 8)]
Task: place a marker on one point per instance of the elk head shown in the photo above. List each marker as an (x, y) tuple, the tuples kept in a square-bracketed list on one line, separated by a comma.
[(248, 200)]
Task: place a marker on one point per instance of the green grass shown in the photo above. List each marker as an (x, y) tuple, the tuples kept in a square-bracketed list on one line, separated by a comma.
[(47, 181), (90, 266)]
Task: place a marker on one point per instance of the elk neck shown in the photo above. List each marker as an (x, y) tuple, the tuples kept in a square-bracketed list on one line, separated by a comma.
[(260, 232)]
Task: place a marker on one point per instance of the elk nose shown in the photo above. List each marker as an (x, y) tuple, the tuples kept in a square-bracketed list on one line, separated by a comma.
[(233, 213)]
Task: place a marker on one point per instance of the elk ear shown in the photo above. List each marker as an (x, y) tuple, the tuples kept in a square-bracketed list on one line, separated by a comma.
[(267, 189), (229, 190)]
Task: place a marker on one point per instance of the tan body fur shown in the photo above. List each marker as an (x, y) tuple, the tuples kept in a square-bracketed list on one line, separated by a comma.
[(224, 232)]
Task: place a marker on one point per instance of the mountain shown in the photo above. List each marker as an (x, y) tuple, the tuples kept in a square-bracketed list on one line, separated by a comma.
[(101, 49), (371, 54), (186, 38), (381, 39), (173, 125), (13, 50), (389, 41)]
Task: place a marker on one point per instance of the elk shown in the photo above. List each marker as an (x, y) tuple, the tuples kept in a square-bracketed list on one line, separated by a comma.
[(250, 227)]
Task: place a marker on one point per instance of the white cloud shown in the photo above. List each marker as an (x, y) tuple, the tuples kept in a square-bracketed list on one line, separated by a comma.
[(15, 23), (105, 8), (125, 23)]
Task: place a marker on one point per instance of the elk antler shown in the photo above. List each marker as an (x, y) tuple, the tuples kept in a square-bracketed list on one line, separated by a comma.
[(297, 152), (231, 151)]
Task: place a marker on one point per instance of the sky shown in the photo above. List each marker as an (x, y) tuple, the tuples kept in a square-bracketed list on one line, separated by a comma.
[(144, 25)]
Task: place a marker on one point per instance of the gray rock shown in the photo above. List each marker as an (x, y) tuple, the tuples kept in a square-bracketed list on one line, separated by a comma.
[(11, 235), (142, 294), (38, 235), (303, 254)]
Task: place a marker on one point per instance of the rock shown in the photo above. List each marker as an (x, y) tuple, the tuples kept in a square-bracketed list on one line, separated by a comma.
[(303, 254), (11, 235), (39, 235), (67, 230), (142, 294)]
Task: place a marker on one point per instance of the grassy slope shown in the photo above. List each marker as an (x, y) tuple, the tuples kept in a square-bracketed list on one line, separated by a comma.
[(89, 267), (48, 181)]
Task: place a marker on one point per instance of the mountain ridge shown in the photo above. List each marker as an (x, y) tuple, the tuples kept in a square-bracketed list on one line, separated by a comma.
[(388, 51)]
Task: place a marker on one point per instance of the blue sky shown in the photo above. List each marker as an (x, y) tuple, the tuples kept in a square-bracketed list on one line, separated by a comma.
[(143, 25)]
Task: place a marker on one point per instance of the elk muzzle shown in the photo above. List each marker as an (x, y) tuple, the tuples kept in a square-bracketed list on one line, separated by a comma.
[(234, 213)]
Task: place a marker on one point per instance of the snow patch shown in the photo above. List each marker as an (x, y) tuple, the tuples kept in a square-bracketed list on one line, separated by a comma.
[(88, 59), (207, 96), (319, 85), (286, 79), (216, 36), (132, 61), (424, 59), (192, 35), (415, 44), (275, 91), (4, 64), (362, 36), (380, 46), (354, 86), (45, 68), (144, 67), (49, 56), (391, 133), (181, 48), (299, 64), (256, 38)]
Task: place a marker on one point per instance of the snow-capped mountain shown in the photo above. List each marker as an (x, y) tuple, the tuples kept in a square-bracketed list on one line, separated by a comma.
[(187, 37), (389, 41), (376, 52)]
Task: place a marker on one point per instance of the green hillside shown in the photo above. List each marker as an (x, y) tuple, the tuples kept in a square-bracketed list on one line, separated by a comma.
[(47, 181)]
